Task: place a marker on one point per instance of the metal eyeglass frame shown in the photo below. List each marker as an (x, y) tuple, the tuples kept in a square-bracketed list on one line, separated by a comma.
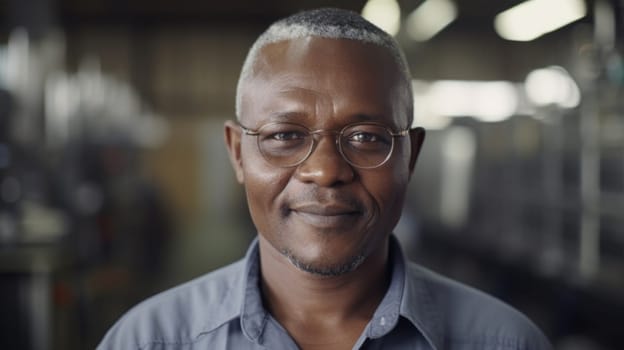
[(256, 132)]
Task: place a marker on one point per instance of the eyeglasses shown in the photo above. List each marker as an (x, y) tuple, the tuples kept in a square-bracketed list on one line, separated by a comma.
[(363, 145)]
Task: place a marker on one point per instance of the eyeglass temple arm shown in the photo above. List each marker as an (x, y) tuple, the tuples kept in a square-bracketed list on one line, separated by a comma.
[(400, 133), (247, 130)]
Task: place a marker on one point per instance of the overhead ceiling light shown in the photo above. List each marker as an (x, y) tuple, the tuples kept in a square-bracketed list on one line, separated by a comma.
[(430, 18), (385, 14), (552, 86), (534, 18), (488, 101), (424, 115)]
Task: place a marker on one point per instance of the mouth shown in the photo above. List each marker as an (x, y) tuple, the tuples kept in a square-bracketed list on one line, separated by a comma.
[(326, 215)]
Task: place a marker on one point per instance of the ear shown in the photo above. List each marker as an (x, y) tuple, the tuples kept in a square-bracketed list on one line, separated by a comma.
[(232, 133), (417, 137)]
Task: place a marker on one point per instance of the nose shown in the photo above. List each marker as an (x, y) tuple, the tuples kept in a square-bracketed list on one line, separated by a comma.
[(325, 166)]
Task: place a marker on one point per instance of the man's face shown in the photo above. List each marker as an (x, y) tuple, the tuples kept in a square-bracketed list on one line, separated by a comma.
[(325, 215)]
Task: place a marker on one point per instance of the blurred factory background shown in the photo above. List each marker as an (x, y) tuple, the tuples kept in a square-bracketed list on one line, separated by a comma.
[(114, 181)]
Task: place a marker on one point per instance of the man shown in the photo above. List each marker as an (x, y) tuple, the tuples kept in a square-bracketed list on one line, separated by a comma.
[(324, 148)]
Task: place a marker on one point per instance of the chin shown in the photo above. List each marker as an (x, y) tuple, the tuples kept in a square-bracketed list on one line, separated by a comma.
[(325, 269)]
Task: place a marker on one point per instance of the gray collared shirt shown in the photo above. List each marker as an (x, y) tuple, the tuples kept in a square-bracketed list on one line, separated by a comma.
[(421, 310)]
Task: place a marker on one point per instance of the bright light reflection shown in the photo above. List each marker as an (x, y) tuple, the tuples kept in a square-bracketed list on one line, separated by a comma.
[(459, 147), (534, 18), (488, 101), (385, 14), (430, 18), (423, 114), (552, 85)]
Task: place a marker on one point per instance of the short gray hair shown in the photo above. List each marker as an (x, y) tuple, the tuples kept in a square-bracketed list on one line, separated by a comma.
[(326, 23)]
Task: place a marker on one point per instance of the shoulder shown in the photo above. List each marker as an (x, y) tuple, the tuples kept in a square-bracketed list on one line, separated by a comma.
[(469, 316), (180, 314)]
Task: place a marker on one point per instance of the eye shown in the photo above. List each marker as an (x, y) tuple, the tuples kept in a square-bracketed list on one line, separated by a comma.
[(364, 137), (286, 135), (369, 137), (277, 138)]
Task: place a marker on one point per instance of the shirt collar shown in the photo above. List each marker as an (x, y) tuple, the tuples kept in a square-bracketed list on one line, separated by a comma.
[(387, 314), (407, 297), (253, 314), (418, 304)]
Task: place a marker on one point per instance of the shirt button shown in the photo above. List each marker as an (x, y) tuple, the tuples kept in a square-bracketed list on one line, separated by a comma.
[(382, 321)]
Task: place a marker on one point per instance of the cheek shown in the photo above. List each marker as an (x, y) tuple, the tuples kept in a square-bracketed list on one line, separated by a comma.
[(388, 194), (388, 188), (259, 175), (263, 185)]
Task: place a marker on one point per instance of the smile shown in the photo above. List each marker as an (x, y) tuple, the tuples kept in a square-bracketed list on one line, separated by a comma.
[(326, 216)]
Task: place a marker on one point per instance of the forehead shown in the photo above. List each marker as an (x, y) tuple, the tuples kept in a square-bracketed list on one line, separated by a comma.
[(321, 77)]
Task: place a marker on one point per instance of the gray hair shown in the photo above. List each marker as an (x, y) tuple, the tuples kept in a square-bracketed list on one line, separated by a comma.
[(326, 23)]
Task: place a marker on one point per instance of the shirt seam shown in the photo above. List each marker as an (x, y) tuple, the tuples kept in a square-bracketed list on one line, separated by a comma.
[(193, 340)]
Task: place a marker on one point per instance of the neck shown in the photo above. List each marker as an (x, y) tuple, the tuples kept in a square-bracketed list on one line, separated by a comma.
[(297, 297)]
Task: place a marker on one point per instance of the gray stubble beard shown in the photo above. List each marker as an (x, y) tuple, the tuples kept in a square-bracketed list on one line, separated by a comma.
[(326, 271)]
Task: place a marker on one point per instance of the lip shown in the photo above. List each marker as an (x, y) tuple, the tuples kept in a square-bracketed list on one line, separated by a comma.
[(330, 209), (326, 215)]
